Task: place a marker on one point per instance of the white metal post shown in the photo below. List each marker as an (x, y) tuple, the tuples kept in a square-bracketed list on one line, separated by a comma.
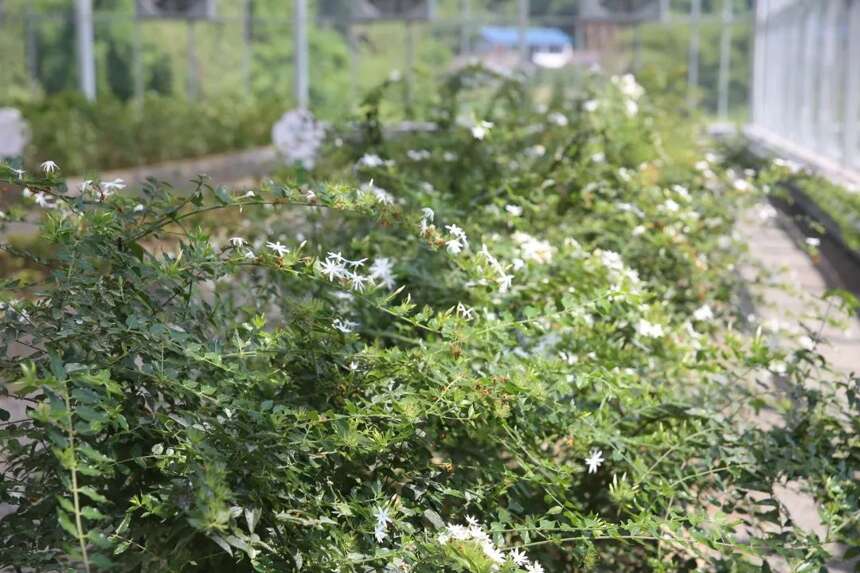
[(827, 95), (759, 62), (300, 34), (811, 47), (693, 65), (725, 59), (86, 55), (851, 115), (522, 28)]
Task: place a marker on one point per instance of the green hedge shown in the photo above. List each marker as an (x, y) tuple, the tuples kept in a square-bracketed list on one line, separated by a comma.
[(506, 345)]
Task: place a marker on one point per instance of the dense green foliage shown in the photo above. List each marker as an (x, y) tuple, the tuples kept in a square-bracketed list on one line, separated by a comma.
[(515, 333), (87, 136)]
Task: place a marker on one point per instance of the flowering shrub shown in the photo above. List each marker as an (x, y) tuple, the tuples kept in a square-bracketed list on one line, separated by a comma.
[(507, 344)]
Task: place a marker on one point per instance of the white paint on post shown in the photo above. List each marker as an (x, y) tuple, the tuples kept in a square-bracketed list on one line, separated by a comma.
[(522, 29), (725, 59), (300, 34), (693, 65), (86, 54)]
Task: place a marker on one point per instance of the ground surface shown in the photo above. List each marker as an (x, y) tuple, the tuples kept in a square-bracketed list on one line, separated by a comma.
[(787, 292)]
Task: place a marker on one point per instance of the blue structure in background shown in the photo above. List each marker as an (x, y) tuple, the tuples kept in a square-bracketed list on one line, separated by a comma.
[(543, 39), (547, 47)]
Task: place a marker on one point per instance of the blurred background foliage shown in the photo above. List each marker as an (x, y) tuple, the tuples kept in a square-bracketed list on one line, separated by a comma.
[(152, 107)]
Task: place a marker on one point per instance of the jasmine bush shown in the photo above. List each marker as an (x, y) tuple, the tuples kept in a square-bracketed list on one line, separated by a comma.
[(508, 344)]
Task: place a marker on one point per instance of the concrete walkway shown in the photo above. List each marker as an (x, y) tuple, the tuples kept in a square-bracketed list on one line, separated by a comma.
[(787, 282)]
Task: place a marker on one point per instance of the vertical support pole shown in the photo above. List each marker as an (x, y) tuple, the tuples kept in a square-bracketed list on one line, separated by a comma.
[(759, 61), (137, 61), (86, 54), (851, 114), (32, 48), (522, 31), (354, 87), (693, 65), (725, 60), (300, 34), (826, 127), (192, 86), (247, 43), (665, 10), (465, 26), (409, 65)]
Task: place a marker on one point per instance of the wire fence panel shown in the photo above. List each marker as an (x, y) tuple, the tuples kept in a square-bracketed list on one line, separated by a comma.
[(806, 94)]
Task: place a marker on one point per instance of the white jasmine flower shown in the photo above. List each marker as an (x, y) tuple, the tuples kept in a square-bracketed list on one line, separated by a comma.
[(517, 557), (649, 329), (536, 151), (371, 160), (382, 271), (766, 212), (345, 326), (807, 343), (742, 185), (481, 129), (594, 460), (778, 367), (670, 206), (139, 208), (504, 281), (703, 313), (534, 568), (111, 186), (278, 248), (249, 254), (43, 200), (358, 282), (514, 210), (49, 167), (467, 314), (248, 195), (459, 242), (813, 241), (382, 196), (599, 157), (628, 86), (382, 521), (681, 190), (558, 118), (591, 105), (631, 107), (237, 242), (533, 249), (638, 230), (19, 173), (624, 174), (418, 154)]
